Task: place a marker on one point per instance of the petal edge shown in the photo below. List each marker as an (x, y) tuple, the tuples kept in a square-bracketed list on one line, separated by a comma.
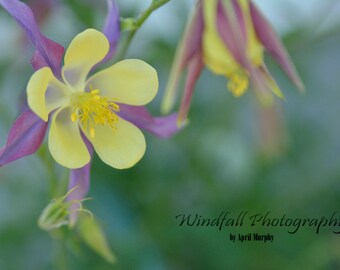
[(121, 148)]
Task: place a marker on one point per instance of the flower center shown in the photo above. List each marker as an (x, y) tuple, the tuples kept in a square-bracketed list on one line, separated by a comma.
[(238, 83), (90, 109)]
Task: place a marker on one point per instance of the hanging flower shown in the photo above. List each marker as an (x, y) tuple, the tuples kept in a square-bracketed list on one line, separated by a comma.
[(229, 37)]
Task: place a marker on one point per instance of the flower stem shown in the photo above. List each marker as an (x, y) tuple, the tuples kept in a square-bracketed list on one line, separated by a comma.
[(138, 22), (57, 181)]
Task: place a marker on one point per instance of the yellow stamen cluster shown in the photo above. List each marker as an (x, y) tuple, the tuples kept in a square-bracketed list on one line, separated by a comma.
[(238, 83), (90, 109)]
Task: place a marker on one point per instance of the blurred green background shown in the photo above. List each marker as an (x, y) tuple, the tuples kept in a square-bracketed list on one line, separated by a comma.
[(220, 162)]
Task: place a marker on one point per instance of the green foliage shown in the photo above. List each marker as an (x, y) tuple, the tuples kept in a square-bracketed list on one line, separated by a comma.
[(215, 164), (83, 10)]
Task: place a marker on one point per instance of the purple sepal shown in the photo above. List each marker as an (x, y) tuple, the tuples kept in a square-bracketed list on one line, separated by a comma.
[(232, 29), (41, 9), (192, 59), (189, 48), (48, 52), (194, 71), (274, 46), (193, 36), (241, 20), (25, 137), (163, 127), (80, 181), (112, 28)]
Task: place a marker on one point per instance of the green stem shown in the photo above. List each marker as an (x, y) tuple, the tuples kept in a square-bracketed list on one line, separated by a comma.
[(60, 252), (56, 186), (52, 178), (137, 24)]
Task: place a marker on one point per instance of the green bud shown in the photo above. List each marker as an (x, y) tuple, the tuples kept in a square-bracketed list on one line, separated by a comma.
[(128, 24), (56, 213)]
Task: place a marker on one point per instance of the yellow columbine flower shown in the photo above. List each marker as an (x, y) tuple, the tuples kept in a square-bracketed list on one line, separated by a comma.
[(79, 107), (229, 37)]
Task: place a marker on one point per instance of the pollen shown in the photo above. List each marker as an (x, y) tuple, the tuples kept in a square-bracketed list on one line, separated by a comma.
[(238, 83), (91, 109), (74, 117), (92, 133)]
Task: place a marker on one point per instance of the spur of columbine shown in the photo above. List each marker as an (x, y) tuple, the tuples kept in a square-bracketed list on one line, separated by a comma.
[(79, 105), (229, 37)]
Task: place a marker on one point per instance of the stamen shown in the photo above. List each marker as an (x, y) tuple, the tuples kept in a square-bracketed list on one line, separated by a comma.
[(74, 117), (238, 83), (95, 92), (92, 133), (90, 109)]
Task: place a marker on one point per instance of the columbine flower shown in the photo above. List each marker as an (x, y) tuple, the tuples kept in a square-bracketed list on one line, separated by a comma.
[(104, 110), (91, 106), (229, 37)]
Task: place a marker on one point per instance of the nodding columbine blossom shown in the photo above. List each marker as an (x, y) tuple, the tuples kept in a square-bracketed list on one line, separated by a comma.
[(103, 111), (229, 37)]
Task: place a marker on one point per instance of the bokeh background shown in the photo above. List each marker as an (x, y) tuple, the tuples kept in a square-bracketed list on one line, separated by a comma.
[(233, 156)]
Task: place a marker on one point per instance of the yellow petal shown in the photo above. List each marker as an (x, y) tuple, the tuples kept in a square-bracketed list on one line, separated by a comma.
[(254, 47), (132, 82), (86, 49), (120, 147), (65, 142), (45, 93), (216, 55)]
